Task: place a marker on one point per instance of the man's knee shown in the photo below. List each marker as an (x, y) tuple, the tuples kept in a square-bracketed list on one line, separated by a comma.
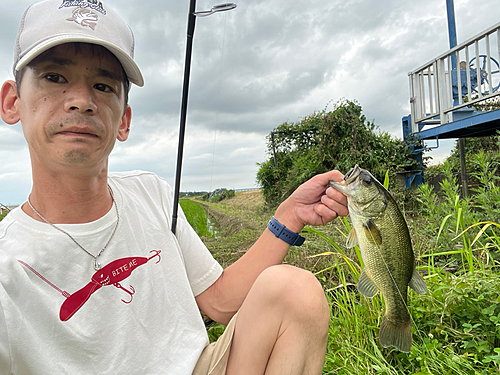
[(296, 291)]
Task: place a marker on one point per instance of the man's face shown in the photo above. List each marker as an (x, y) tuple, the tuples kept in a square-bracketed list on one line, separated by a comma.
[(71, 107)]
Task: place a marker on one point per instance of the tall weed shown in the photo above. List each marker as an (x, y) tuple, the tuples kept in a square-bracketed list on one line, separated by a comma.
[(456, 325), (487, 193)]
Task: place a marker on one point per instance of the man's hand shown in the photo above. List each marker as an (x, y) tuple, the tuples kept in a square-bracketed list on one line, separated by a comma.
[(313, 203)]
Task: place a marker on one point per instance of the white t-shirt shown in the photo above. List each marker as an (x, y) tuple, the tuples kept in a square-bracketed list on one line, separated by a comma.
[(137, 315)]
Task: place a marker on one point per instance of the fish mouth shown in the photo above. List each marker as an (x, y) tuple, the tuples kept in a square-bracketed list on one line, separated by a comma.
[(352, 175), (349, 178)]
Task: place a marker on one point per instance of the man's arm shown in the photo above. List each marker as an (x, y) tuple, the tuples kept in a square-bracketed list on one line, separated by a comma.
[(313, 203)]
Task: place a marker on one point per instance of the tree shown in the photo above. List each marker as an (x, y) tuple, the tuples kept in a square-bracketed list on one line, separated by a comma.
[(323, 141)]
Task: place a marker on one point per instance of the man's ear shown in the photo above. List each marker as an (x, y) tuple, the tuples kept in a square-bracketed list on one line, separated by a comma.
[(124, 129), (9, 110)]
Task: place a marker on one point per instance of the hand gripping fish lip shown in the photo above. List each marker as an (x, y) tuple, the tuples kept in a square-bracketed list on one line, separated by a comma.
[(346, 187)]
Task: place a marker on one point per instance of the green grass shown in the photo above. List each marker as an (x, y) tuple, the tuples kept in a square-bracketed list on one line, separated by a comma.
[(197, 217), (455, 329), (456, 325)]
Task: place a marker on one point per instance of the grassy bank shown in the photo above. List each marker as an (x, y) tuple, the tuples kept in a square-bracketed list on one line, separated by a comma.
[(198, 218), (456, 325)]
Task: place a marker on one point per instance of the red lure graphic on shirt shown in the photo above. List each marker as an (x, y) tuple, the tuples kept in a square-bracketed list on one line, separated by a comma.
[(111, 274)]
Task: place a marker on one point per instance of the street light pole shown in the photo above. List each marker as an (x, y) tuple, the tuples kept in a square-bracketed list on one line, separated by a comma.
[(182, 128), (185, 90)]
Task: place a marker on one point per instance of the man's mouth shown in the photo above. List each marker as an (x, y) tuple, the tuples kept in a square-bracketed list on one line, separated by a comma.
[(78, 132)]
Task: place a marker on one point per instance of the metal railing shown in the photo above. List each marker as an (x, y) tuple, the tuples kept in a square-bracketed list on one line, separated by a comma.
[(437, 89)]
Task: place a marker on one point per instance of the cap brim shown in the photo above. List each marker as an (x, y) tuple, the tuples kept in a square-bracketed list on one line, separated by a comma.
[(129, 66)]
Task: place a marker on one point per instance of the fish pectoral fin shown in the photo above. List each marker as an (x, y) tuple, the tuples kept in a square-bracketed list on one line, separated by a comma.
[(417, 283), (372, 232), (352, 239), (366, 286)]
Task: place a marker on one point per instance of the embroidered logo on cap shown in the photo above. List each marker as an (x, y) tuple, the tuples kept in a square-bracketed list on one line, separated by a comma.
[(92, 4), (84, 17)]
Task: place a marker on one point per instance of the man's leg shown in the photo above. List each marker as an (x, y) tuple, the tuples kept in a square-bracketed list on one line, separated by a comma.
[(282, 326)]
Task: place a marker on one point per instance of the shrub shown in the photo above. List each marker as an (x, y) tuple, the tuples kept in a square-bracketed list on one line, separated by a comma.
[(323, 141)]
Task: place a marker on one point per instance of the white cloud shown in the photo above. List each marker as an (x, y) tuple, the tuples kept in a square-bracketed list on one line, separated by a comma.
[(253, 68)]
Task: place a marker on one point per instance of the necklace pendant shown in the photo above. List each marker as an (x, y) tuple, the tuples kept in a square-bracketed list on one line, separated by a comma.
[(97, 266)]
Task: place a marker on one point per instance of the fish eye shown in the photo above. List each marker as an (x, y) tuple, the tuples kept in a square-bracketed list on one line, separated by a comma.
[(367, 180)]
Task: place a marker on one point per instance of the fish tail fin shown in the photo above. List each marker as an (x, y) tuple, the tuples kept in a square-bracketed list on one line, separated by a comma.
[(397, 335)]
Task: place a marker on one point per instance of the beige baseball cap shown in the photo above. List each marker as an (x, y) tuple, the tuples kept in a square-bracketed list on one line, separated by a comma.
[(53, 22)]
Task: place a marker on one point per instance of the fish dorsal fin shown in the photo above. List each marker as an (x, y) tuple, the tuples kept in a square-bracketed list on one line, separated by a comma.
[(352, 239), (417, 283), (372, 232), (366, 286)]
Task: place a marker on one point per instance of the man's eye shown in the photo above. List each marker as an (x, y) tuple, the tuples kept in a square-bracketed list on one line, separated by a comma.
[(103, 87), (55, 78)]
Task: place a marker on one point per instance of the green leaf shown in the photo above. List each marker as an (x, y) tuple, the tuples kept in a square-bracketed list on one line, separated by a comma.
[(386, 180)]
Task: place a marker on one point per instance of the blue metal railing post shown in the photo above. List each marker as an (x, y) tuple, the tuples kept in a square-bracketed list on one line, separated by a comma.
[(452, 33), (452, 29)]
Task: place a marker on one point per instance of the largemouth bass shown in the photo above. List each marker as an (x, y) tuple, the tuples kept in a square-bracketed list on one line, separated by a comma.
[(380, 230)]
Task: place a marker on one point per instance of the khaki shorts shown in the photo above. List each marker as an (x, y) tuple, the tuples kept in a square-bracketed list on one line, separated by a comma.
[(213, 359)]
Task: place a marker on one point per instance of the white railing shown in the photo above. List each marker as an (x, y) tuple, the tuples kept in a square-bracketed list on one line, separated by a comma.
[(435, 93)]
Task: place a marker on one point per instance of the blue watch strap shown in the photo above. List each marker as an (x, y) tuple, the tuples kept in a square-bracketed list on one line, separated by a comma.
[(285, 234)]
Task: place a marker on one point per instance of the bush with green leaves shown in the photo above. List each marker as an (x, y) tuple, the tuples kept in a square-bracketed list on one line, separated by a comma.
[(489, 146), (323, 141)]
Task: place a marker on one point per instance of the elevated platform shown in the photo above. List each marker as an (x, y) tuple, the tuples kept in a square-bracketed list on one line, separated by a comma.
[(456, 95), (477, 124)]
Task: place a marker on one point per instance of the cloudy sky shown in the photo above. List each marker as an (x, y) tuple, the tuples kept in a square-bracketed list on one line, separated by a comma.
[(255, 67)]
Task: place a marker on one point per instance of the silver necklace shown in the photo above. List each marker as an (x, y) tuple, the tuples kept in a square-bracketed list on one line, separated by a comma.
[(97, 266)]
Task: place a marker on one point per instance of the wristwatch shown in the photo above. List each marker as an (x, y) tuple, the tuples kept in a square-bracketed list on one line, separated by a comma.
[(285, 234)]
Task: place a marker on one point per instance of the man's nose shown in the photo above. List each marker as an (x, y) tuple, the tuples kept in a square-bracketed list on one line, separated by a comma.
[(80, 98)]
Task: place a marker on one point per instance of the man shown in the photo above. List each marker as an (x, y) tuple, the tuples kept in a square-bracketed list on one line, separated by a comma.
[(92, 281)]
